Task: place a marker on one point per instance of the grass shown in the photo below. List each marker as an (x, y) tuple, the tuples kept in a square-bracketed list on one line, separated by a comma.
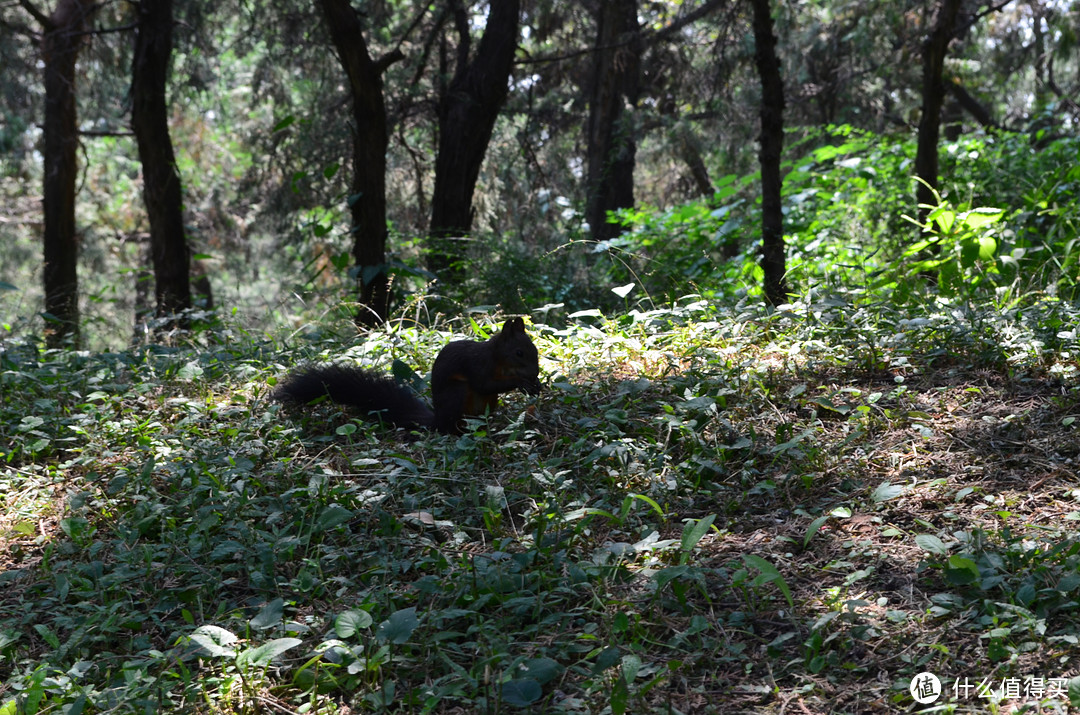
[(707, 511)]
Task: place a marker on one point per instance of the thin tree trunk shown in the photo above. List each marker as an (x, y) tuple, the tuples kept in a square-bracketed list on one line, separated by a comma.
[(690, 150), (773, 262), (467, 111), (63, 37), (161, 181), (933, 90), (368, 199), (614, 87)]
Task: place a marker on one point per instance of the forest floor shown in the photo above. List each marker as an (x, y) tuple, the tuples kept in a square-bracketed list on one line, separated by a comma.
[(702, 514), (951, 550)]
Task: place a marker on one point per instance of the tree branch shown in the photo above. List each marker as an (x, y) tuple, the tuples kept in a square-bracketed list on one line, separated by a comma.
[(461, 23), (41, 17), (388, 59), (646, 38), (963, 27), (687, 19)]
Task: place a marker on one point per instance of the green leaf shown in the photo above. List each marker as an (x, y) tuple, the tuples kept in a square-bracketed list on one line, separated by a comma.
[(886, 491), (333, 515), (399, 627), (651, 502), (350, 623), (521, 692), (1074, 691), (269, 616), (769, 574), (262, 655), (982, 216), (665, 576), (932, 544), (75, 527), (214, 640), (284, 123), (695, 530), (47, 635), (961, 571), (631, 665), (620, 696), (542, 670), (813, 528), (944, 217)]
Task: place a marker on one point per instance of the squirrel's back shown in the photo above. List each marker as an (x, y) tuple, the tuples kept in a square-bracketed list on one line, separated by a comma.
[(353, 386)]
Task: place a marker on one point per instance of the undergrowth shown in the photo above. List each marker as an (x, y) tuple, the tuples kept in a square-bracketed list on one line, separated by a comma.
[(707, 510)]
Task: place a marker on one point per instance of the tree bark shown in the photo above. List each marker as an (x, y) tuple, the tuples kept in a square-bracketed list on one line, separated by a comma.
[(771, 141), (368, 199), (161, 181), (467, 112), (689, 149), (933, 91), (971, 105), (63, 37), (614, 88)]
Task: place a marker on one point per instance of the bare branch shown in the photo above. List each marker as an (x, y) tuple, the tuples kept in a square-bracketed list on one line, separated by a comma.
[(38, 15)]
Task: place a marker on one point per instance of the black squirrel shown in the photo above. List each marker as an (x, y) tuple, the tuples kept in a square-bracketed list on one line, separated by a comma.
[(466, 380)]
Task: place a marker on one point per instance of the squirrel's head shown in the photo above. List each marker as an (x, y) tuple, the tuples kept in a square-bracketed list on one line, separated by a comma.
[(519, 355)]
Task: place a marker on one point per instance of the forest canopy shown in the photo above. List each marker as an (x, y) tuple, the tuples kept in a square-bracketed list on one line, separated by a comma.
[(620, 146)]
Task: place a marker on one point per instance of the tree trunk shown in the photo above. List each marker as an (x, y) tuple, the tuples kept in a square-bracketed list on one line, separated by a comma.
[(933, 90), (771, 141), (689, 149), (63, 36), (161, 180), (614, 87), (467, 112), (368, 199)]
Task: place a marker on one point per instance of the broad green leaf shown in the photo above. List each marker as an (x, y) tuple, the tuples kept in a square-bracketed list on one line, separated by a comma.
[(333, 515), (982, 216), (349, 623), (961, 571), (886, 491), (262, 655), (214, 640), (542, 670), (399, 627), (269, 616), (521, 692)]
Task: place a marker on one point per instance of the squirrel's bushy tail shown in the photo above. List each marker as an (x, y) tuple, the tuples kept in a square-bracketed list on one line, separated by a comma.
[(358, 388)]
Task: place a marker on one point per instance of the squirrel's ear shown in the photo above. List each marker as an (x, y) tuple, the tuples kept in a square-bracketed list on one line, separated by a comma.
[(514, 325)]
